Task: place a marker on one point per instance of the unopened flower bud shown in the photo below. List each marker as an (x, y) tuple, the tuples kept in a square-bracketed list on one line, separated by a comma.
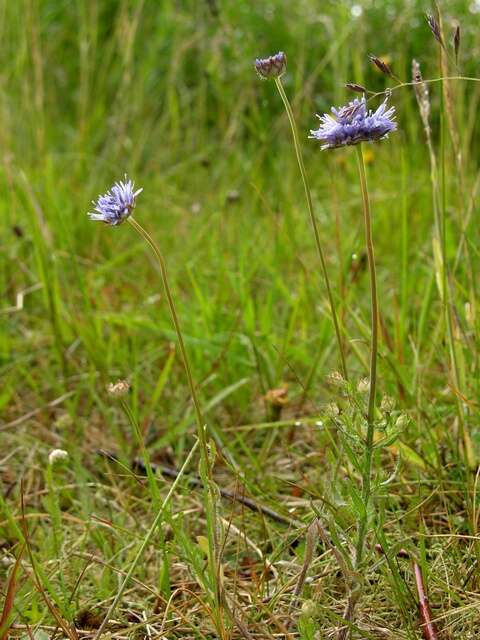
[(271, 67), (64, 421), (388, 404)]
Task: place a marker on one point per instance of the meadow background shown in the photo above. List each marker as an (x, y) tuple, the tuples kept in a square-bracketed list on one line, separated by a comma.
[(166, 91)]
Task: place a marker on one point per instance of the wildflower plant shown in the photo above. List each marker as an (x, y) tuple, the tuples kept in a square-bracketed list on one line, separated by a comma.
[(354, 124), (114, 208)]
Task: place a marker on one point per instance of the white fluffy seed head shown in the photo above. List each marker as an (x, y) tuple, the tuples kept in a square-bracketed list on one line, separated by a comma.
[(56, 455)]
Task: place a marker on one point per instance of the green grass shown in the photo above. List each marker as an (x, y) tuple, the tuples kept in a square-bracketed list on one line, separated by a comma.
[(167, 92)]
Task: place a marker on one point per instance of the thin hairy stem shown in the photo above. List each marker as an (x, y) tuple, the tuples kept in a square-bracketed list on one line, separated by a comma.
[(206, 473), (145, 542), (373, 292), (368, 454), (367, 468), (186, 363), (316, 233)]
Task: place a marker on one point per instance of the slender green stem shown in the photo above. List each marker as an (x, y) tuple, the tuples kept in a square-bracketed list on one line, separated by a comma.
[(469, 456), (316, 233), (209, 490), (186, 363), (145, 542), (367, 467), (401, 85), (356, 588)]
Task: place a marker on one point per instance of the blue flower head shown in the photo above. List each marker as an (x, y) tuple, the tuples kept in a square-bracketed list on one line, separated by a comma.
[(353, 124), (271, 67), (115, 206)]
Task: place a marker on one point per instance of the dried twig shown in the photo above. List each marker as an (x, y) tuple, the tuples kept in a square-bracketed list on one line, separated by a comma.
[(428, 628), (310, 544), (170, 472), (5, 620), (34, 412)]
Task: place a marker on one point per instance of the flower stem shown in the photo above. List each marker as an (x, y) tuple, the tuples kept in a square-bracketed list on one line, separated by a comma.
[(205, 466), (144, 544), (186, 363), (316, 233), (367, 467), (356, 589)]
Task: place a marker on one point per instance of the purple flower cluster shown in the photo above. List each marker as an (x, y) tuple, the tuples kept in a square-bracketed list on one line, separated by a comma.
[(353, 124), (115, 206), (271, 67)]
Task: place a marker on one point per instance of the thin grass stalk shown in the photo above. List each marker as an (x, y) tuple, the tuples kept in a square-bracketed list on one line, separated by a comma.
[(469, 455), (316, 233), (145, 542), (440, 217)]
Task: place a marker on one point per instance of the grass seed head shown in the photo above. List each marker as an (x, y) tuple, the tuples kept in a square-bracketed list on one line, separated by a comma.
[(421, 93), (353, 86), (456, 40), (381, 65), (435, 28)]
